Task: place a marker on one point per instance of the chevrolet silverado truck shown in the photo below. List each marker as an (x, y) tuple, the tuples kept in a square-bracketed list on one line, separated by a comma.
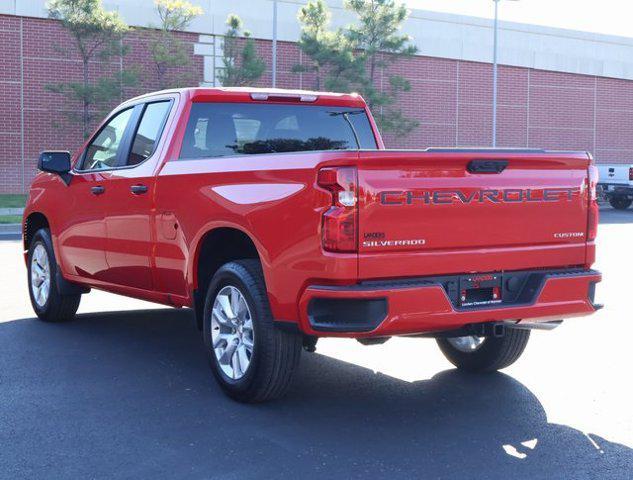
[(616, 185), (279, 217)]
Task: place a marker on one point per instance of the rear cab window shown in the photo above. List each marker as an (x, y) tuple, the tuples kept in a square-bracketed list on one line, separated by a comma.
[(225, 129)]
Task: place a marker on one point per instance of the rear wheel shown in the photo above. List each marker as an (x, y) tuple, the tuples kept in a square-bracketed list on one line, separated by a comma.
[(251, 359), (49, 305), (485, 354), (620, 203)]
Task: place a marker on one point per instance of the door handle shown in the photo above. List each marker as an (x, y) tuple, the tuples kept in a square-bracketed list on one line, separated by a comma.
[(138, 189), (98, 190)]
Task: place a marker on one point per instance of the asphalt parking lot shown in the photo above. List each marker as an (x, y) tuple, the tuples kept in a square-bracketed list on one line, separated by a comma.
[(125, 392)]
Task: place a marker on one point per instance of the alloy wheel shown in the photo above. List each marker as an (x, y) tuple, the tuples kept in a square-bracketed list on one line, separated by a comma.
[(232, 333), (40, 275), (467, 344)]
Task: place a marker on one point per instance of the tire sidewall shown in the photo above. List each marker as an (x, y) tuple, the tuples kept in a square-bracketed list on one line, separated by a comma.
[(228, 275), (620, 203), (42, 237)]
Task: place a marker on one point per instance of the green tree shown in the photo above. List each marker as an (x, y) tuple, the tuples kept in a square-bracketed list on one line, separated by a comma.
[(331, 54), (377, 37), (242, 66), (167, 51), (97, 34)]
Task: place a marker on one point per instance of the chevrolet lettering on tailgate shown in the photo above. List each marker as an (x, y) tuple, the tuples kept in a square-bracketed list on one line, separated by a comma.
[(444, 197)]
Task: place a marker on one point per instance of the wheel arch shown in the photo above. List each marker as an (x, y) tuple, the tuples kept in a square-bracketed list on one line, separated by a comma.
[(215, 247), (32, 223)]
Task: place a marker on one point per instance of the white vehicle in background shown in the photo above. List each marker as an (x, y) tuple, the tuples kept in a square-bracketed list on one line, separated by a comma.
[(616, 184)]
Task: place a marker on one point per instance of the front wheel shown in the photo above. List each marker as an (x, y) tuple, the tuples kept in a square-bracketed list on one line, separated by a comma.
[(485, 354), (620, 203), (251, 359), (48, 303)]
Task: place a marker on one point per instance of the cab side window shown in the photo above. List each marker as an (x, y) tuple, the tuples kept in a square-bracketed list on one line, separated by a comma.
[(102, 152), (148, 132)]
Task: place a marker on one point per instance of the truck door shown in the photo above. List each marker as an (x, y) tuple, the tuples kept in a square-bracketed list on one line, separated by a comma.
[(130, 209), (82, 235)]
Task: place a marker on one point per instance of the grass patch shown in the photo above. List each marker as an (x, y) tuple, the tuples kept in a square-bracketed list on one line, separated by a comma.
[(5, 219), (10, 200)]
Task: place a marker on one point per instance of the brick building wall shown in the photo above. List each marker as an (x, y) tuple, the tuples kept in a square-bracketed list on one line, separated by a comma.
[(36, 52), (451, 99)]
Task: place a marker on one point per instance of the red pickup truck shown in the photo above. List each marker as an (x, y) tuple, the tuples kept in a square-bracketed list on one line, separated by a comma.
[(279, 217)]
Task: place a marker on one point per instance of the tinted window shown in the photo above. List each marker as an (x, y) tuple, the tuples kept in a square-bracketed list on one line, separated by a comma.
[(102, 151), (219, 129), (148, 132), (363, 130)]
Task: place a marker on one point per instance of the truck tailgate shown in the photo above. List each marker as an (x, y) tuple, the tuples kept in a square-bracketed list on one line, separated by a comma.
[(427, 213)]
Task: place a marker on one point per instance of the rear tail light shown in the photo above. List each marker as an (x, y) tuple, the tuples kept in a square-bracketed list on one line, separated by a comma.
[(594, 210), (631, 173), (340, 222)]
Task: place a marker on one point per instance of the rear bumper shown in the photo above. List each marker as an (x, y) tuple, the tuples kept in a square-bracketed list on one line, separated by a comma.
[(422, 305)]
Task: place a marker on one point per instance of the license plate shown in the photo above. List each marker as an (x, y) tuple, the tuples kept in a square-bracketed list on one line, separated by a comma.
[(480, 289)]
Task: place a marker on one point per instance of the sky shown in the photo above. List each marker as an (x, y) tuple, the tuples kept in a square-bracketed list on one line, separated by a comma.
[(612, 17)]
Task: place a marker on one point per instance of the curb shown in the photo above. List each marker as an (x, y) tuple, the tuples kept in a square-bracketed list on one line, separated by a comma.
[(11, 211), (11, 229)]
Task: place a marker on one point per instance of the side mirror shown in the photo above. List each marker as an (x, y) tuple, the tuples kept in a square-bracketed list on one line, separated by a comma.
[(56, 162)]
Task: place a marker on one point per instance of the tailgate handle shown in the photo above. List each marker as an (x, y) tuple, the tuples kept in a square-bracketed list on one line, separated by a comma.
[(487, 166)]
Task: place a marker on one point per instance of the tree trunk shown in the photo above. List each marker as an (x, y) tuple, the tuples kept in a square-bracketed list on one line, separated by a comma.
[(372, 71), (159, 74)]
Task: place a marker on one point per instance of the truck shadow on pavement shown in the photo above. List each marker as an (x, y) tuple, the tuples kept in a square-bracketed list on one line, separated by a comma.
[(129, 394)]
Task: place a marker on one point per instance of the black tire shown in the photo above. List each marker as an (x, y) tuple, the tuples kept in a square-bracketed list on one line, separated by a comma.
[(57, 307), (275, 354), (620, 203), (494, 353)]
